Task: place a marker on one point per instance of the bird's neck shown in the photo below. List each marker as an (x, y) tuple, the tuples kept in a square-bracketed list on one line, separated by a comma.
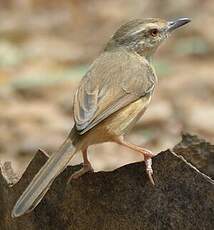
[(149, 58), (146, 52), (140, 49)]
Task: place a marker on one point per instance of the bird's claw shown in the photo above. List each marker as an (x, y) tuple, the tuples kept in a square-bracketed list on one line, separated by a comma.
[(86, 168), (149, 170)]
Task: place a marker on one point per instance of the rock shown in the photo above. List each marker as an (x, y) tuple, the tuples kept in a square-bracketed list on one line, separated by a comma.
[(183, 197), (198, 152)]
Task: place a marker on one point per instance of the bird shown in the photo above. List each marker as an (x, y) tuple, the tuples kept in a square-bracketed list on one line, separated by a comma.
[(111, 97)]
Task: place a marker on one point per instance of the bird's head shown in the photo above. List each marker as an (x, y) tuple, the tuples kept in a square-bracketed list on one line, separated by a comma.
[(144, 35)]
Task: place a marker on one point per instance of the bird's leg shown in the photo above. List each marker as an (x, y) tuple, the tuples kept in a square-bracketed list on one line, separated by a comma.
[(146, 153), (86, 167)]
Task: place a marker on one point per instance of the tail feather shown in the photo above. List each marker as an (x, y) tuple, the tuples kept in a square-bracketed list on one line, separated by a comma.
[(44, 178)]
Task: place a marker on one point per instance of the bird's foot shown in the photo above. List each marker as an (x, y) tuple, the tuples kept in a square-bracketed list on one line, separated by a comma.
[(148, 162), (86, 168), (149, 170), (148, 154)]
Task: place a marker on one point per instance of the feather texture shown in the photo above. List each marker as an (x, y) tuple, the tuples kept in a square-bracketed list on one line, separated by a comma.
[(115, 80)]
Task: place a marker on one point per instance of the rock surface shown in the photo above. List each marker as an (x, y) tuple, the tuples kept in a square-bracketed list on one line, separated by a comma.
[(183, 197), (198, 152)]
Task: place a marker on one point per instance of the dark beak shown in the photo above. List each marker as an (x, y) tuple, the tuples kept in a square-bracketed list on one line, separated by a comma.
[(172, 25)]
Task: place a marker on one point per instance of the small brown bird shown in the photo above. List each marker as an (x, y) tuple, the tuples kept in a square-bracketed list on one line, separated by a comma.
[(111, 97)]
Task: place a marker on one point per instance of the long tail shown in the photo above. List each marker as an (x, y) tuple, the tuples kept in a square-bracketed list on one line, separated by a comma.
[(44, 178)]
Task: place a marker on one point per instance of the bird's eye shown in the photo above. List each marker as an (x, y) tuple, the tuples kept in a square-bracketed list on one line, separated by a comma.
[(153, 32)]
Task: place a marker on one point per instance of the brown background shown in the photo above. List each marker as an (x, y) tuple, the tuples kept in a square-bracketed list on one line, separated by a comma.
[(46, 47)]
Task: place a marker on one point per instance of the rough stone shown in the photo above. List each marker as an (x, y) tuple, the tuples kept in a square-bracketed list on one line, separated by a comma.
[(183, 198)]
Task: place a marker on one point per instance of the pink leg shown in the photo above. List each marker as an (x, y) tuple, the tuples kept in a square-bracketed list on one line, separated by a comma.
[(86, 167), (146, 153)]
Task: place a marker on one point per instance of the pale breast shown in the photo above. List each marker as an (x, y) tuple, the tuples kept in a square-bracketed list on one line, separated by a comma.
[(123, 120), (118, 123)]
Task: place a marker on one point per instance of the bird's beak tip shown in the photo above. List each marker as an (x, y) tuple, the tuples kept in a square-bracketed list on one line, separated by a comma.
[(172, 25)]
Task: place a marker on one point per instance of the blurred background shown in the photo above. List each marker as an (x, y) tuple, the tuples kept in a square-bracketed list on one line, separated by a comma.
[(47, 46)]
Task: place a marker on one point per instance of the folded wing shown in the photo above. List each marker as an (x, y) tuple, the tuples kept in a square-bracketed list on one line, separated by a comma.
[(114, 80)]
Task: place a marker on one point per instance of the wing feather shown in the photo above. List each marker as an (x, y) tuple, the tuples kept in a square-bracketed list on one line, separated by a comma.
[(114, 80)]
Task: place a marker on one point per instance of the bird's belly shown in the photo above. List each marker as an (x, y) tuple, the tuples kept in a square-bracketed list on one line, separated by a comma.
[(118, 123), (123, 120)]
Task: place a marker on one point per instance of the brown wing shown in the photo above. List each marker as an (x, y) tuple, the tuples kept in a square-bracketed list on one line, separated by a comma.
[(114, 80)]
